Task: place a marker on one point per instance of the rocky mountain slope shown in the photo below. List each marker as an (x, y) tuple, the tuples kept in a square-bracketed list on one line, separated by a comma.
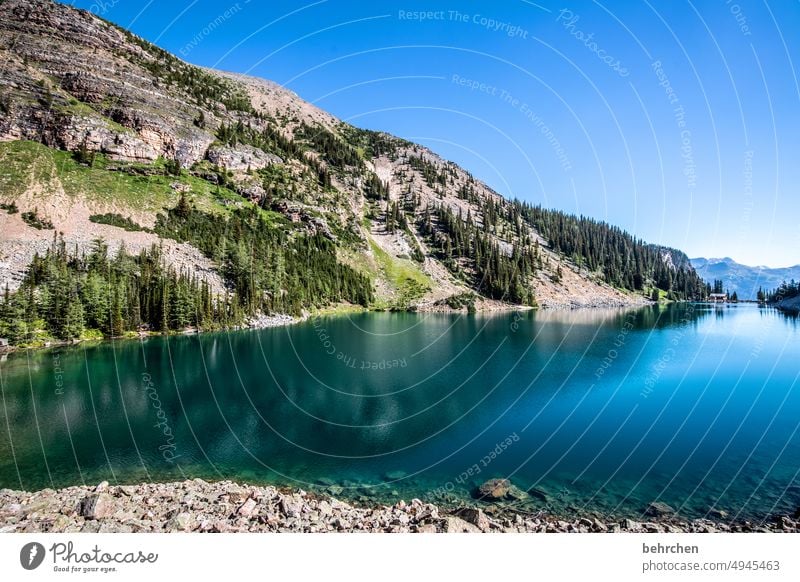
[(101, 132), (744, 280)]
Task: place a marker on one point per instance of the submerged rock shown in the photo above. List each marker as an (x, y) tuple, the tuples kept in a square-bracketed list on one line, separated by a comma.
[(494, 489), (539, 494), (394, 475), (658, 509), (499, 490), (516, 494), (718, 514)]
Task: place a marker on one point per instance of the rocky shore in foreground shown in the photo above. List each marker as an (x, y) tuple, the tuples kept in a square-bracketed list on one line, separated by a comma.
[(199, 506)]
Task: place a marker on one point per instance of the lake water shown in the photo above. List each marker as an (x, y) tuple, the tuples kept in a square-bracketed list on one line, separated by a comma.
[(603, 411)]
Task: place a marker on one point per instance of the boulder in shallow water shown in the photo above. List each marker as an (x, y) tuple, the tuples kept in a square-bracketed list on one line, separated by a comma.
[(658, 509), (717, 514), (538, 494), (394, 475), (516, 494), (494, 490)]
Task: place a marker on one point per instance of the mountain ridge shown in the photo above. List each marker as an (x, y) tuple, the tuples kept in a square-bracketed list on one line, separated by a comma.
[(744, 280)]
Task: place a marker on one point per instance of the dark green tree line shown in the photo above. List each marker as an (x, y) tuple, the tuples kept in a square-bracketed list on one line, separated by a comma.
[(65, 293), (623, 260)]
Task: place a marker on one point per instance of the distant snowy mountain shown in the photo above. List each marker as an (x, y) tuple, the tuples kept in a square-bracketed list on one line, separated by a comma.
[(743, 279)]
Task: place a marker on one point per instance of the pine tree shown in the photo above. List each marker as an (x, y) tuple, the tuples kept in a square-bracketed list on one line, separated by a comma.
[(73, 321)]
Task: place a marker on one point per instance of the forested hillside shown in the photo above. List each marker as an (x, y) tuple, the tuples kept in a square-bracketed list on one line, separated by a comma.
[(623, 260), (188, 197)]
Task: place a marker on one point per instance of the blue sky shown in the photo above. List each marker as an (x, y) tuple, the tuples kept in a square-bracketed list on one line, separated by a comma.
[(678, 121)]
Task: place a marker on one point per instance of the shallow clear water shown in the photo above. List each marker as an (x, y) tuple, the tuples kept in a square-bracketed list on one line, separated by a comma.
[(604, 411)]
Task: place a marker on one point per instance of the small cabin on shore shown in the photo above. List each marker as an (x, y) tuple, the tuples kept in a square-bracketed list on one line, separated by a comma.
[(718, 298)]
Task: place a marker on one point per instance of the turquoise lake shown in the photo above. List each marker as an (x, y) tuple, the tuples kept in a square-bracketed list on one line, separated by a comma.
[(602, 411)]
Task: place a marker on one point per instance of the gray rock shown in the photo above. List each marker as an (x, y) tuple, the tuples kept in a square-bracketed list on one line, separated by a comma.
[(12, 509), (61, 523), (630, 525), (183, 521), (325, 508), (110, 527), (476, 517), (247, 508), (455, 524), (236, 493), (290, 506), (90, 527), (98, 506)]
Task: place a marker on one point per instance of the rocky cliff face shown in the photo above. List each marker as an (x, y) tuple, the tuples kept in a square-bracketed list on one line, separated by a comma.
[(70, 79), (76, 83)]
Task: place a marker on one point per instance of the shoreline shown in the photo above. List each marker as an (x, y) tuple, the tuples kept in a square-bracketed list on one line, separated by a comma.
[(283, 320), (226, 506)]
